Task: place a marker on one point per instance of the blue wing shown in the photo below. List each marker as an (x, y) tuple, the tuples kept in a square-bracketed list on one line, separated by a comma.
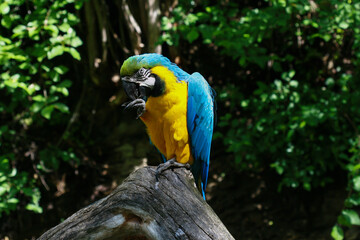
[(200, 123)]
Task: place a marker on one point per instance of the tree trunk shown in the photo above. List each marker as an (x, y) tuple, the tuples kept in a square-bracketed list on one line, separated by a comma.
[(140, 208)]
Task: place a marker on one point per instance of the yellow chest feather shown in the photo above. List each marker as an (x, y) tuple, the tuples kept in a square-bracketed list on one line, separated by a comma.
[(165, 118)]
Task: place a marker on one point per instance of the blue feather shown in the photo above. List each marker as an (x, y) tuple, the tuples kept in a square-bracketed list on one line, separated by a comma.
[(200, 121)]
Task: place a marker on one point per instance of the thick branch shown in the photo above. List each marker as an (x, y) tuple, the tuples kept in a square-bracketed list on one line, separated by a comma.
[(138, 209)]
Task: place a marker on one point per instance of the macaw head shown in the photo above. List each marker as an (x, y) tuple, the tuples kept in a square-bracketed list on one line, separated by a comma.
[(138, 80)]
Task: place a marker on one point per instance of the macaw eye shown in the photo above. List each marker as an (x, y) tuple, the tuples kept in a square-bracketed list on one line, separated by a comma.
[(142, 71), (143, 74)]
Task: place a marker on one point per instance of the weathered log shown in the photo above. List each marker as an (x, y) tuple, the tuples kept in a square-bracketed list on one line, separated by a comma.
[(141, 209)]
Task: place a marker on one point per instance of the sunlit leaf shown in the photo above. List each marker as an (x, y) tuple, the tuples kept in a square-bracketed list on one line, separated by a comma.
[(353, 200), (349, 217), (3, 190), (13, 200), (74, 53), (61, 69), (356, 181), (4, 8), (39, 98), (64, 27), (75, 42), (55, 51), (343, 25), (337, 233), (34, 208)]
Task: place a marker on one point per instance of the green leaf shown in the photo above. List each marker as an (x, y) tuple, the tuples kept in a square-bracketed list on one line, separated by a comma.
[(32, 88), (61, 107), (13, 172), (74, 53), (307, 186), (329, 82), (52, 29), (36, 107), (326, 37), (60, 89), (337, 233), (353, 200), (78, 4), (343, 25), (61, 69), (191, 19), (19, 31), (55, 51), (4, 8), (34, 208), (66, 83), (72, 18), (291, 74), (192, 35), (279, 169), (294, 83), (28, 191), (13, 201), (52, 99), (75, 42), (64, 27), (39, 98), (2, 190), (348, 218), (356, 182), (46, 111), (6, 21), (34, 33)]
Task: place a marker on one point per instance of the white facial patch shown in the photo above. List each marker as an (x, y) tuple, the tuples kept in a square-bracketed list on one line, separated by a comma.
[(149, 82)]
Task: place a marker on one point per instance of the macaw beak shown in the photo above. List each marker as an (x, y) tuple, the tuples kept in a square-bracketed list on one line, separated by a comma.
[(131, 89), (135, 90)]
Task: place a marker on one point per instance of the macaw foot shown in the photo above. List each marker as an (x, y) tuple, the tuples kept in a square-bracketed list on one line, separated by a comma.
[(172, 163), (138, 104)]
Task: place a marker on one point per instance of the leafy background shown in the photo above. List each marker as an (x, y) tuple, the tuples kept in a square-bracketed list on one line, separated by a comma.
[(285, 160)]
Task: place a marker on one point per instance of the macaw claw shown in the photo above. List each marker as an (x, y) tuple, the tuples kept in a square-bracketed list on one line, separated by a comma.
[(172, 163), (138, 104)]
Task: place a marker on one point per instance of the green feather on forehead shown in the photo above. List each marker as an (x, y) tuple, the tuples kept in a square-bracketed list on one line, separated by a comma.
[(148, 61), (133, 64)]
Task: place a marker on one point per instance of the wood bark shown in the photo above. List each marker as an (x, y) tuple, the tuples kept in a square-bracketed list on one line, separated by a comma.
[(153, 26), (140, 208)]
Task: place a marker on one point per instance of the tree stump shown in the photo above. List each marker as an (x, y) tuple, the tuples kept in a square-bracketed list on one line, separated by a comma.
[(141, 209)]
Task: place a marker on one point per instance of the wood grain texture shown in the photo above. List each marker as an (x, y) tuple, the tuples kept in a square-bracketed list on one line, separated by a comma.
[(138, 209)]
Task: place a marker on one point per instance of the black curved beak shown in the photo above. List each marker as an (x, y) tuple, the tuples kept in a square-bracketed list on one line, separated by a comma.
[(134, 91), (131, 89)]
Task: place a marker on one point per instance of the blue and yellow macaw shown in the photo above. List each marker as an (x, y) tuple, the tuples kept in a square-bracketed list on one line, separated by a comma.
[(177, 108)]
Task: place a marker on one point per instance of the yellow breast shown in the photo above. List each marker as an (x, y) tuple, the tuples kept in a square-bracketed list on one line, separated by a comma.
[(165, 118)]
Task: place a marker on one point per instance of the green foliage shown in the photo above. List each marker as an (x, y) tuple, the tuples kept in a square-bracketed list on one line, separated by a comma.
[(301, 116), (337, 233), (13, 183), (33, 86)]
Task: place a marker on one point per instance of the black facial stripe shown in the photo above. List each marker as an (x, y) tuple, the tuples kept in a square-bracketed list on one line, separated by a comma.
[(159, 87)]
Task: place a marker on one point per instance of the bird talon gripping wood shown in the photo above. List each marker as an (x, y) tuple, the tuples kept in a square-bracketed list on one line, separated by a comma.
[(180, 111), (169, 164)]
